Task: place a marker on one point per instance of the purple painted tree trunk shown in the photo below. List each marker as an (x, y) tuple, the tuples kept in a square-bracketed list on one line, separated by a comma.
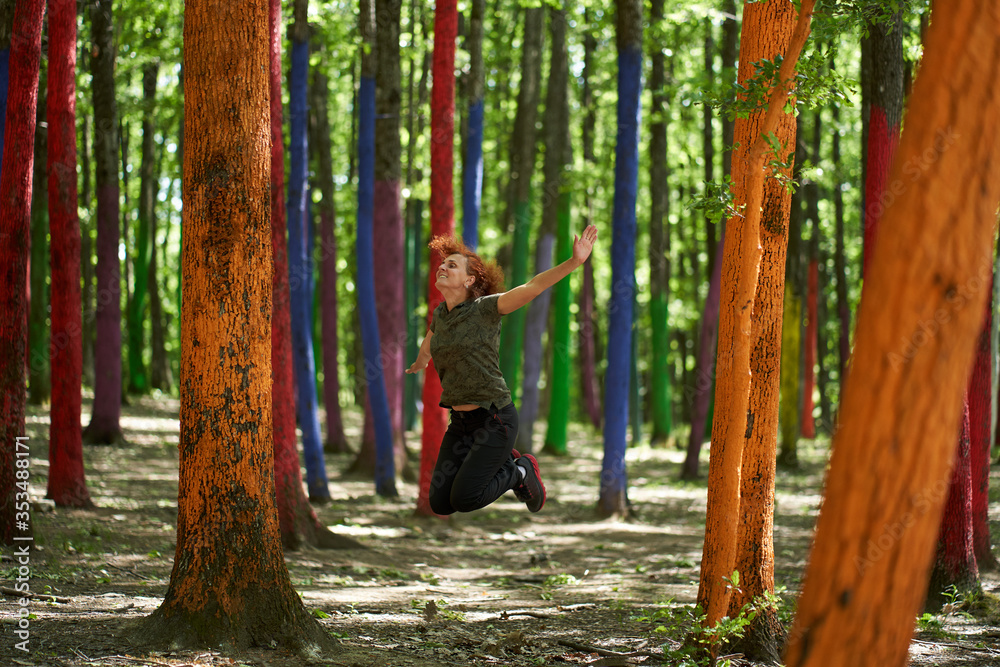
[(534, 327), (104, 427), (701, 393)]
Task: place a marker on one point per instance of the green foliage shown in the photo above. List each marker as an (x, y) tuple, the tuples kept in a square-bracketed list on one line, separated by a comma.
[(669, 620)]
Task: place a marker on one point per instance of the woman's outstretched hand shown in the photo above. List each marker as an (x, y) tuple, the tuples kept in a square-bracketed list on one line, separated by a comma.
[(584, 244), (416, 367)]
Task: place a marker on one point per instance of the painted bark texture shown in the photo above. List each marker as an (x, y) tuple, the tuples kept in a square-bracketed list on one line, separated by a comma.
[(590, 388), (613, 498), (435, 418), (699, 390), (160, 376), (336, 440), (104, 427), (754, 560), (791, 332), (556, 140), (15, 213), (534, 328), (145, 248), (297, 522), (300, 274), (885, 113), (229, 586), (980, 419), (38, 262), (519, 205), (698, 393), (472, 165), (374, 370), (67, 484), (876, 532), (808, 429), (955, 558), (741, 262), (659, 232), (388, 220)]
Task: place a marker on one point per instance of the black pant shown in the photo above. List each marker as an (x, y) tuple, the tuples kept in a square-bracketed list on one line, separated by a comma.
[(474, 465)]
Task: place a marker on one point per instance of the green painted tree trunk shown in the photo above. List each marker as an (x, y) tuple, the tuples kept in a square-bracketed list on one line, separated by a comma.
[(555, 437), (659, 239), (38, 332), (522, 161), (137, 380)]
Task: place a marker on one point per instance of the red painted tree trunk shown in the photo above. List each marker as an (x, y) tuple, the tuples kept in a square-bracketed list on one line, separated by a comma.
[(336, 441), (980, 416), (67, 485), (296, 518), (15, 212), (319, 141), (435, 419), (886, 111), (955, 562), (809, 362)]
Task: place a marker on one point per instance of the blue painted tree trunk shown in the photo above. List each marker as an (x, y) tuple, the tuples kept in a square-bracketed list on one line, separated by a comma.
[(385, 466), (300, 277), (472, 176), (613, 498)]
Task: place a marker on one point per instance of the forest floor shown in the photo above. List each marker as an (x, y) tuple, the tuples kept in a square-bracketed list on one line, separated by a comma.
[(495, 587)]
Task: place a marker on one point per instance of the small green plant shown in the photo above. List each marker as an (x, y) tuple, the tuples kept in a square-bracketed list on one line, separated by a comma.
[(931, 625)]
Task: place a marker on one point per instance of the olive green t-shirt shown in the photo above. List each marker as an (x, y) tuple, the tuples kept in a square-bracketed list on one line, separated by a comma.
[(466, 352)]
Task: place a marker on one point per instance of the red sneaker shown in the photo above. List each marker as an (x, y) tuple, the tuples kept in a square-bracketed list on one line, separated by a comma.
[(530, 491)]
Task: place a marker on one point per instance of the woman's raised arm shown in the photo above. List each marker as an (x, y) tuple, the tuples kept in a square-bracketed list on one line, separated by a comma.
[(523, 294)]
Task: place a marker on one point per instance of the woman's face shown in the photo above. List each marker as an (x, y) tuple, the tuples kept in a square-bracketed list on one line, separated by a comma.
[(453, 273)]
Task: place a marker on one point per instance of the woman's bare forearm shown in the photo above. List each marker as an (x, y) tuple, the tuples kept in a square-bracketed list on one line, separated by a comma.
[(524, 294)]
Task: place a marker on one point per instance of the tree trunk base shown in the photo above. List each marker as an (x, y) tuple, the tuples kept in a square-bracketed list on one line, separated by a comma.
[(788, 459), (265, 626), (551, 450), (617, 507), (98, 435), (941, 583), (73, 500), (762, 640), (987, 562), (337, 446)]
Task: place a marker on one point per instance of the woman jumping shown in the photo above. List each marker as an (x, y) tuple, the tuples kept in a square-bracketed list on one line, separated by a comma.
[(477, 462)]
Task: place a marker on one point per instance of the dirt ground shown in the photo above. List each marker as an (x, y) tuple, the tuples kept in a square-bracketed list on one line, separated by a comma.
[(495, 587)]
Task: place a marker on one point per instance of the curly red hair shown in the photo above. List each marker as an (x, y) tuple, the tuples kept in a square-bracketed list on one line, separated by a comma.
[(488, 275)]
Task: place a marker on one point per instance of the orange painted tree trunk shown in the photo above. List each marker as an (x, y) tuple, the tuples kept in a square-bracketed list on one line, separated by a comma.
[(767, 32), (740, 269), (917, 327), (229, 585)]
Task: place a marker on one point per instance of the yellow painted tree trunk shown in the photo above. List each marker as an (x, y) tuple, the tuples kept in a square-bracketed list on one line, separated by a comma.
[(229, 586), (916, 335), (740, 270)]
